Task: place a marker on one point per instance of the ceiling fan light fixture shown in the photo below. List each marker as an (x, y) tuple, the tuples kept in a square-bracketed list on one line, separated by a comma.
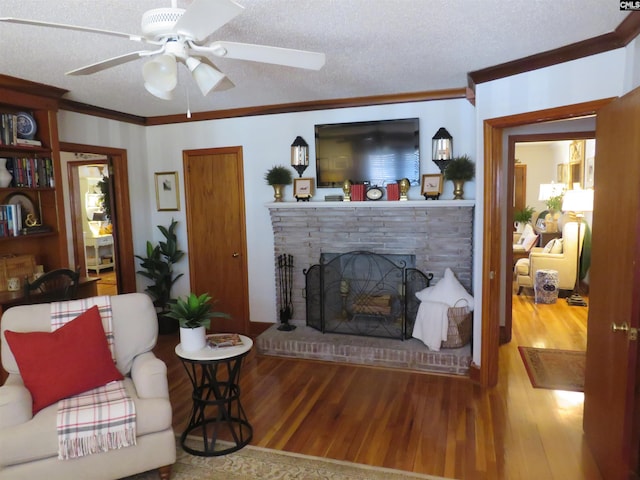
[(160, 73), (206, 77), (164, 95)]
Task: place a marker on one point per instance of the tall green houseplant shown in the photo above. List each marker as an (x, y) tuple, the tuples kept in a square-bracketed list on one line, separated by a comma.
[(157, 266)]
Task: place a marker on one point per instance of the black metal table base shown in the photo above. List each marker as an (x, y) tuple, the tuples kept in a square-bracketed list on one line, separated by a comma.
[(217, 417)]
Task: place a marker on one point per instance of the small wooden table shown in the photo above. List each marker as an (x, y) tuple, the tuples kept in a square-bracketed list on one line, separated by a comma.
[(214, 375)]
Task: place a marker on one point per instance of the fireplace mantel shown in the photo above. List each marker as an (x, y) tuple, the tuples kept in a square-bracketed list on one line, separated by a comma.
[(371, 204)]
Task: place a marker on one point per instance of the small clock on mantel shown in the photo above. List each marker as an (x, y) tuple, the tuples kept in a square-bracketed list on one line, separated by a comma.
[(374, 193)]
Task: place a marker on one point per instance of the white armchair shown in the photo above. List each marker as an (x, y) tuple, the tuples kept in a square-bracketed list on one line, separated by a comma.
[(564, 262), (29, 443)]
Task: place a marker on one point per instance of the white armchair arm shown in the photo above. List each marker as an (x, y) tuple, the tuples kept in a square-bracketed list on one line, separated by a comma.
[(540, 261), (15, 405), (149, 375)]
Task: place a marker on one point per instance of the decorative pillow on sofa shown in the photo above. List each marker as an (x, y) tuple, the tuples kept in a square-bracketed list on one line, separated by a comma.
[(71, 360), (529, 241), (553, 246), (527, 231), (448, 290)]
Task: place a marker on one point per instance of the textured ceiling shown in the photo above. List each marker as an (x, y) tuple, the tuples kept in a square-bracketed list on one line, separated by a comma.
[(373, 47)]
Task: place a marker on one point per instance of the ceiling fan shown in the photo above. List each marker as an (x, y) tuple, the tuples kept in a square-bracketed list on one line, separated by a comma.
[(182, 35)]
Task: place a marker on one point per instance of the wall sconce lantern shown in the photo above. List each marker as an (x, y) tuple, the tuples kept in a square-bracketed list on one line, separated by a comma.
[(299, 155), (442, 148)]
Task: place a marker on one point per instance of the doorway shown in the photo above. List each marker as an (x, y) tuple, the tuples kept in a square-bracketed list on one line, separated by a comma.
[(76, 156), (96, 259), (546, 157), (495, 237)]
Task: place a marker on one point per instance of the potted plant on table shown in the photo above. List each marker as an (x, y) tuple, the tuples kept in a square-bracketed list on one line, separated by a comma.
[(278, 176), (194, 317), (554, 204), (459, 170), (522, 217), (158, 267)]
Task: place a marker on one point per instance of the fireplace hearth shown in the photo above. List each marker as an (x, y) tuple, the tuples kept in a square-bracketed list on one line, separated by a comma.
[(364, 293)]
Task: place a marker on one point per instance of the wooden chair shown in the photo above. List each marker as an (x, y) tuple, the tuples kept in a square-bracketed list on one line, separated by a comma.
[(54, 286)]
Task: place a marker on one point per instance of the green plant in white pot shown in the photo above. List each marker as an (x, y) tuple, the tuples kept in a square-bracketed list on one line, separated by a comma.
[(194, 316)]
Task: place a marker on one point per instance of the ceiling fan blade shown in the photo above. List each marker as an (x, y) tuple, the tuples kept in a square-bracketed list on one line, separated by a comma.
[(266, 54), (203, 17), (37, 23), (112, 62)]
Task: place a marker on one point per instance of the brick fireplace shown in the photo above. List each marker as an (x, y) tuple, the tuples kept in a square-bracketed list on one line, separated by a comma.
[(438, 233)]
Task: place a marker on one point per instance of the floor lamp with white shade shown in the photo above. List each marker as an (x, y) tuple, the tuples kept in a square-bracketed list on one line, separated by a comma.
[(578, 201)]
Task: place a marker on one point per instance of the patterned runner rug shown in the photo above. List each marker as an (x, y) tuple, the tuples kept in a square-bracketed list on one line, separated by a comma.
[(255, 463), (554, 369)]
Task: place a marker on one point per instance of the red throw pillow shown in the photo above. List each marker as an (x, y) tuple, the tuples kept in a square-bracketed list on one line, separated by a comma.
[(71, 360)]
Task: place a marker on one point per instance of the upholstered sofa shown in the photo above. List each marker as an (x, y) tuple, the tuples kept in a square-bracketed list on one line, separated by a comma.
[(28, 442), (564, 261)]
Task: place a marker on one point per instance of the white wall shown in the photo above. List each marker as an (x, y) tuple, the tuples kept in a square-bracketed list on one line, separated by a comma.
[(541, 159)]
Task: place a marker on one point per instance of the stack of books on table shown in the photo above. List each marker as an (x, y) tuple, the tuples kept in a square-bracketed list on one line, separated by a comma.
[(220, 340)]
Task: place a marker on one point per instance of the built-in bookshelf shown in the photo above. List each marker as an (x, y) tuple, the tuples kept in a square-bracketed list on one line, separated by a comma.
[(31, 204)]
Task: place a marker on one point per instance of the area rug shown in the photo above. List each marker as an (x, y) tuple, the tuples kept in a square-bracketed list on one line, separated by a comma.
[(255, 463), (554, 369)]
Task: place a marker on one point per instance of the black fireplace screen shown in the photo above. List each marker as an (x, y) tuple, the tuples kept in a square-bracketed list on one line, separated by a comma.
[(364, 293)]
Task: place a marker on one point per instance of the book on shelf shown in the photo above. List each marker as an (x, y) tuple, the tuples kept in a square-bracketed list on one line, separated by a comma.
[(28, 142), (30, 172), (10, 220), (36, 229), (221, 340)]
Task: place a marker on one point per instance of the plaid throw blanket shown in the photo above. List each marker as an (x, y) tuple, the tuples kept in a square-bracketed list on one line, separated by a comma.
[(100, 419)]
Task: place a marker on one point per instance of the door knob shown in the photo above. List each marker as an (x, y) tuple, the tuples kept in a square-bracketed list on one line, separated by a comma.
[(632, 333), (620, 328), (235, 254)]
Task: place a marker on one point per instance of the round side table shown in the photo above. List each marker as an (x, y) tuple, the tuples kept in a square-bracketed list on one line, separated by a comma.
[(217, 413)]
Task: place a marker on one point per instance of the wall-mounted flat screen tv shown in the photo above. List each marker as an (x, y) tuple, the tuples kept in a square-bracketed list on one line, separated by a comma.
[(377, 152)]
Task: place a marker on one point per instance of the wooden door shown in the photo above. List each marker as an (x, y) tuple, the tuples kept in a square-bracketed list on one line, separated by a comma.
[(611, 407), (214, 197), (519, 186)]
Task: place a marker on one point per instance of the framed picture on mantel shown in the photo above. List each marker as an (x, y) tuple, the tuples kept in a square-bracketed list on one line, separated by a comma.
[(167, 195), (432, 186)]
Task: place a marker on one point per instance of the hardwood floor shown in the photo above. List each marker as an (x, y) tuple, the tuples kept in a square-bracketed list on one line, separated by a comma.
[(432, 424), (107, 285)]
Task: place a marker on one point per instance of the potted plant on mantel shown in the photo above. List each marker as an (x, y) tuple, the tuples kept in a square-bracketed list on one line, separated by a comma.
[(194, 317), (158, 267), (459, 170), (278, 176)]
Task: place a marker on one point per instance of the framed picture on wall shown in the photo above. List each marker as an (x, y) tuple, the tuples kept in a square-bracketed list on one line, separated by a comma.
[(167, 195), (563, 173), (589, 164)]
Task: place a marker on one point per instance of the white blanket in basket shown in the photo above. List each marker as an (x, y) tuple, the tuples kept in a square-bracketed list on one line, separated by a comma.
[(432, 324)]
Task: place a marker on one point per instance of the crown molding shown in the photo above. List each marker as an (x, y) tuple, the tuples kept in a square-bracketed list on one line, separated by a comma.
[(620, 37), (310, 106)]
